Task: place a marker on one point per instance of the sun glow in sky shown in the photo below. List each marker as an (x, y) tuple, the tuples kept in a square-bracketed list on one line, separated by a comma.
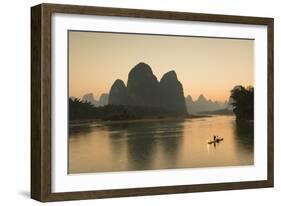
[(208, 66)]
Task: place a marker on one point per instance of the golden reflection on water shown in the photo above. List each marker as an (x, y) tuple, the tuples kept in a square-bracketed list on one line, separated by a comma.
[(164, 144)]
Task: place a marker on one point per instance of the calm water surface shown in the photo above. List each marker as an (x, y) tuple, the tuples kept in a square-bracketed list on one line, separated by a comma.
[(163, 144)]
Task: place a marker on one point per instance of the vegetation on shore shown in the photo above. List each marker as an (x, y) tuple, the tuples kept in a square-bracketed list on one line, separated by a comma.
[(79, 110), (243, 102)]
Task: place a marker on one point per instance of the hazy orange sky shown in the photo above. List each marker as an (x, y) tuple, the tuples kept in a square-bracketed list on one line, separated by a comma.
[(209, 66)]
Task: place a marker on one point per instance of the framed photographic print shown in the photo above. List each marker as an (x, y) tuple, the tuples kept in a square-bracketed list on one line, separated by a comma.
[(130, 102)]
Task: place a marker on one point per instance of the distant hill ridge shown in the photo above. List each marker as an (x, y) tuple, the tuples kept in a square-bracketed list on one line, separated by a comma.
[(89, 97), (202, 104)]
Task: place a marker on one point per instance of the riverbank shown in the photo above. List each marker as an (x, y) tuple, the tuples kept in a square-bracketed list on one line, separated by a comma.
[(148, 119)]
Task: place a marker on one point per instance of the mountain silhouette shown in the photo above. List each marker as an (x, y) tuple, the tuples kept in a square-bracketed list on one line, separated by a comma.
[(144, 90), (103, 99), (143, 86), (118, 94), (201, 99), (172, 92), (188, 99)]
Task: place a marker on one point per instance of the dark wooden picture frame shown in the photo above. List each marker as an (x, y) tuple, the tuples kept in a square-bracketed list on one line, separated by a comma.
[(41, 173)]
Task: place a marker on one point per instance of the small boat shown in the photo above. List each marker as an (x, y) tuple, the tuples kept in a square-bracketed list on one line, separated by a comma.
[(215, 141)]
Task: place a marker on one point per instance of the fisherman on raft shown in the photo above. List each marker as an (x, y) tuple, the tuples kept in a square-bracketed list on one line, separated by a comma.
[(215, 138)]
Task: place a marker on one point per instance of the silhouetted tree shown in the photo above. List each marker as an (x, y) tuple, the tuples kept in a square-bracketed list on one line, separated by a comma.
[(242, 101), (79, 109)]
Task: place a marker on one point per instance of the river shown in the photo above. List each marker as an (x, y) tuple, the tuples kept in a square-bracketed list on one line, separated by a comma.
[(159, 144)]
